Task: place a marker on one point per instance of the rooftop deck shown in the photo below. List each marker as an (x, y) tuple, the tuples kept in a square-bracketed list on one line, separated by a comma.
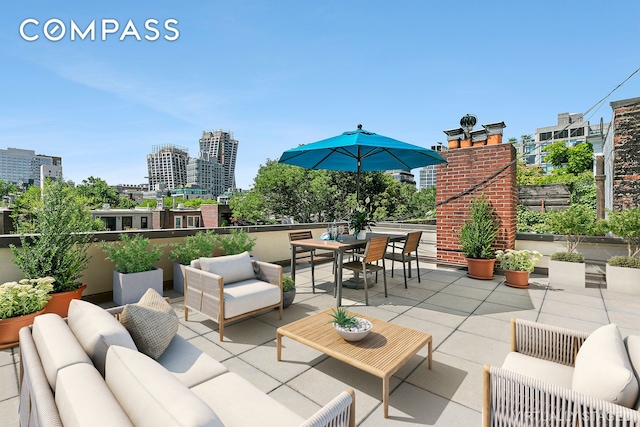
[(468, 319)]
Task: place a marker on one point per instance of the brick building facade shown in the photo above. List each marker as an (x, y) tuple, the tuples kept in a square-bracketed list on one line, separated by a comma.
[(622, 156), (468, 173)]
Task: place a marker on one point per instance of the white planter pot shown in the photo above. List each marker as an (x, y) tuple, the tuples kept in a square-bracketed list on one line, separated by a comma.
[(563, 274), (178, 277), (129, 288), (362, 235), (623, 279)]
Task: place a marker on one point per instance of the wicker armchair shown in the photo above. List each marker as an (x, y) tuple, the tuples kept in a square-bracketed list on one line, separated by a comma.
[(226, 300), (517, 399)]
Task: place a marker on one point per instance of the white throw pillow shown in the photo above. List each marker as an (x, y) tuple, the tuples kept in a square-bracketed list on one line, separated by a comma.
[(233, 268), (603, 369)]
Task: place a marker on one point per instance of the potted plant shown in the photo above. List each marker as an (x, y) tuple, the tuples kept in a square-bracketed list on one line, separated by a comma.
[(360, 222), (190, 248), (477, 236), (20, 303), (348, 326), (517, 266), (288, 291), (134, 272), (237, 242), (576, 222), (623, 272), (55, 230)]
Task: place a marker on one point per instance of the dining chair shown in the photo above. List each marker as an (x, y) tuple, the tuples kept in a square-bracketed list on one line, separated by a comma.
[(301, 235), (373, 252), (405, 256)]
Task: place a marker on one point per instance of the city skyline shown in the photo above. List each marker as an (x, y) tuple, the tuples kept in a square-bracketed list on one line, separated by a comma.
[(280, 74)]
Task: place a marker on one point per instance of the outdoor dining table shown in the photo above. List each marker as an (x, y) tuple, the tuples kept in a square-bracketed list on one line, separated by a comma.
[(338, 247)]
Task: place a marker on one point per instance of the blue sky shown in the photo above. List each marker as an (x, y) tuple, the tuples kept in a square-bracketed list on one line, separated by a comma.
[(282, 73)]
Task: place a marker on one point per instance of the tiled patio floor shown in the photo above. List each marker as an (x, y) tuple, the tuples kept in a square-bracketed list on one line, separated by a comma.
[(469, 321)]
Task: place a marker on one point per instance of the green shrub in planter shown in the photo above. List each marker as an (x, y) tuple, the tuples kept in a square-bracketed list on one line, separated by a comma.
[(626, 224), (576, 223), (479, 232), (567, 257), (24, 297), (132, 254), (287, 284), (193, 247), (522, 260), (237, 242), (624, 261)]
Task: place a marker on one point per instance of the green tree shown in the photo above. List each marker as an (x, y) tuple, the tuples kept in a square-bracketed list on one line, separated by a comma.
[(250, 207), (576, 223), (557, 153), (580, 158), (97, 193)]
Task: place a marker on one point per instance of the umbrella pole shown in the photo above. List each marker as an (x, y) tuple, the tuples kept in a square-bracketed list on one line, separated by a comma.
[(358, 178)]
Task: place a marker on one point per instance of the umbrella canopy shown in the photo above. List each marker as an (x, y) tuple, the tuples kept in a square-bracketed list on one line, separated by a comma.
[(360, 151)]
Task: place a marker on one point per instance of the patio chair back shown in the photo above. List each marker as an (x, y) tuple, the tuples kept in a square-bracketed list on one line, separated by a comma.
[(412, 242), (376, 249)]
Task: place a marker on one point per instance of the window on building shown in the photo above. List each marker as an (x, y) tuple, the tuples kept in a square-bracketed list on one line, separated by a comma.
[(577, 132), (127, 222), (193, 221), (144, 222), (545, 136), (559, 134), (177, 222)]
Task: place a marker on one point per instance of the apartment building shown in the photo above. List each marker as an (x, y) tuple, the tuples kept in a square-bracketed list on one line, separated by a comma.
[(222, 146), (23, 167), (571, 128), (167, 167)]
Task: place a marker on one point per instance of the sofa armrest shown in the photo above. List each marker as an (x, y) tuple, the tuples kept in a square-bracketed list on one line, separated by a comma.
[(340, 412), (37, 405), (204, 292), (268, 272), (512, 399), (546, 342)]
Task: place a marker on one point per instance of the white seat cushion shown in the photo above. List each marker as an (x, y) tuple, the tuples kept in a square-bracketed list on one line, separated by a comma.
[(83, 399), (57, 346), (603, 369), (189, 364), (229, 394), (248, 295), (540, 369), (233, 268), (97, 330), (632, 343), (151, 396)]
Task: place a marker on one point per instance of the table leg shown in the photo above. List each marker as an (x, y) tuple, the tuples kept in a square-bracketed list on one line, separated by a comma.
[(279, 346), (430, 352), (338, 277), (293, 263), (385, 396)]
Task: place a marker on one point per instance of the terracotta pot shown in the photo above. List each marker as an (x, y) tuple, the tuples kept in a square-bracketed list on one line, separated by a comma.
[(453, 144), (59, 302), (465, 143), (517, 279), (10, 328), (481, 269)]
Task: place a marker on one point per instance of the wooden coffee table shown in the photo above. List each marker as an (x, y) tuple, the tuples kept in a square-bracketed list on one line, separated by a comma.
[(385, 350)]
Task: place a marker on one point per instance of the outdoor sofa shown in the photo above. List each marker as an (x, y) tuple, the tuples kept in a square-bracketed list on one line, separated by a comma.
[(87, 370), (559, 377)]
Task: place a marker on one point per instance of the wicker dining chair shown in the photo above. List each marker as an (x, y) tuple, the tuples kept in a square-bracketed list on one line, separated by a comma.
[(374, 252)]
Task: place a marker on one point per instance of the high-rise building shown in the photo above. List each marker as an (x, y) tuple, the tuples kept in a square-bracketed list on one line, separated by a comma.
[(427, 177), (571, 128), (402, 176), (206, 173), (22, 167), (221, 146), (167, 166)]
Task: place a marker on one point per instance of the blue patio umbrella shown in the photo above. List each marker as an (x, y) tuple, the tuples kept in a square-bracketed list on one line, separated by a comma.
[(360, 151)]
